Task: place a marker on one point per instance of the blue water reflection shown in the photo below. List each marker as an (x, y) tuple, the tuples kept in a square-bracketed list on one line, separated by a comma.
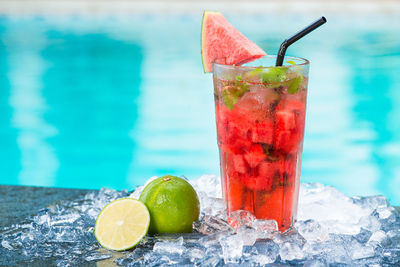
[(104, 101), (10, 154), (92, 88), (374, 78)]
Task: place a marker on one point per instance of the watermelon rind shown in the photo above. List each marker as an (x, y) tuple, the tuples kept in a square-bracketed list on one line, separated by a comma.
[(203, 32)]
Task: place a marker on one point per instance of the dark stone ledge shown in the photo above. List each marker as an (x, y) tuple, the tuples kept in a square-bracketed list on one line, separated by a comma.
[(19, 202)]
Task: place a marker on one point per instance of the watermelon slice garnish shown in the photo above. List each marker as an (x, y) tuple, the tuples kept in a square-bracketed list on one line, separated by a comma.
[(222, 43)]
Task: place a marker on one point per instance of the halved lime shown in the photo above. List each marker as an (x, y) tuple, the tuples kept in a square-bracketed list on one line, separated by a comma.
[(122, 224)]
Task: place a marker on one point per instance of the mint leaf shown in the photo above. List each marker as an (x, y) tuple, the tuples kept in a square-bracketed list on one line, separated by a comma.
[(239, 78), (295, 85), (273, 75), (231, 94), (229, 99)]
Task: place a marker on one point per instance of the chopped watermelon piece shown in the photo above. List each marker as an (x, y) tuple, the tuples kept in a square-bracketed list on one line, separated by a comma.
[(255, 155), (256, 183), (285, 120), (228, 132), (267, 169), (240, 146), (285, 141), (263, 132), (264, 183), (239, 164), (267, 172), (290, 115), (231, 125), (222, 43)]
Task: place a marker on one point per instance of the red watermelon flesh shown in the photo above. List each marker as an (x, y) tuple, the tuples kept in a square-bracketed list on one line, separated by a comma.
[(222, 43), (255, 155), (263, 132)]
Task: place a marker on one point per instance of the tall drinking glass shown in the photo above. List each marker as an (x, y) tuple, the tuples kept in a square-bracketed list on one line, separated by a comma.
[(260, 115)]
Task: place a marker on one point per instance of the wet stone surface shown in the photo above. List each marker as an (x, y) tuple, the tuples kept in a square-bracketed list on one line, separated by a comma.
[(19, 202), (45, 226)]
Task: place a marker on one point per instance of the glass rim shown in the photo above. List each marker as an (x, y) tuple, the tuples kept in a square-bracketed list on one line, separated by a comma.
[(303, 62)]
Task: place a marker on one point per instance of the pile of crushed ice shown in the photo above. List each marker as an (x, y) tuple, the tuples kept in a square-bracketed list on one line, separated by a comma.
[(331, 229)]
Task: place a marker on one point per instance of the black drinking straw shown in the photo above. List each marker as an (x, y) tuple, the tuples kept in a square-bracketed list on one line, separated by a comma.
[(294, 38)]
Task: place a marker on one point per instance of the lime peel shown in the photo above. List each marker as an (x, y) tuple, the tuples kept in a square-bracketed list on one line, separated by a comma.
[(173, 205)]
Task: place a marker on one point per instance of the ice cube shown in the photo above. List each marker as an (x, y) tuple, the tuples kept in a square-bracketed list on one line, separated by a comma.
[(6, 245), (290, 251), (240, 218), (290, 236), (333, 251), (211, 224), (263, 259), (195, 253), (378, 238), (391, 256), (212, 206), (232, 247), (370, 223), (363, 236), (266, 252), (394, 236), (217, 223), (359, 251), (65, 219), (372, 203), (170, 247), (385, 212), (97, 257), (155, 259), (266, 228), (248, 235), (209, 240), (209, 184), (43, 219), (211, 260), (312, 231)]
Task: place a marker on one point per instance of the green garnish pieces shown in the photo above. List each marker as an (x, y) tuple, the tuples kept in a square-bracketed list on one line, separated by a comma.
[(232, 93), (273, 75), (229, 98), (239, 78), (269, 152), (291, 62), (254, 72), (295, 85)]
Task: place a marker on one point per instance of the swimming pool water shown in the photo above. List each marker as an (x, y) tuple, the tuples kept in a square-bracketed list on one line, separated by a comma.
[(88, 101)]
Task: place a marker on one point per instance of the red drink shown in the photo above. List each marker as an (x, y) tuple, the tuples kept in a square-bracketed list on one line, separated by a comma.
[(260, 114)]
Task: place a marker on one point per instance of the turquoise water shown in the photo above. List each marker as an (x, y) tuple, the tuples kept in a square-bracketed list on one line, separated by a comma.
[(103, 101)]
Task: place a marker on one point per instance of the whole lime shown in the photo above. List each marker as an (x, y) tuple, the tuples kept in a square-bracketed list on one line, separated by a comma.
[(172, 203)]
